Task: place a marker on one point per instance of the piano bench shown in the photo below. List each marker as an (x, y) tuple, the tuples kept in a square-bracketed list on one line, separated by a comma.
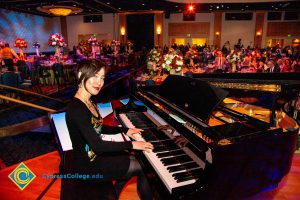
[(73, 189)]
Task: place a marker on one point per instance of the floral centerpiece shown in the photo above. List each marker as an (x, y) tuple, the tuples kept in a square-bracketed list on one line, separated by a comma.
[(93, 41), (115, 45), (190, 55), (154, 59), (20, 43), (56, 40), (233, 58), (36, 45), (1, 44), (172, 62)]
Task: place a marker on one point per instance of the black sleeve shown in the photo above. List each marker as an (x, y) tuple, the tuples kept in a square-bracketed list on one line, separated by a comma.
[(109, 130), (81, 118)]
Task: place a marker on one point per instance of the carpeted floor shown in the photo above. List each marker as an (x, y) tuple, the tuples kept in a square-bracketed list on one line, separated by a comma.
[(28, 145)]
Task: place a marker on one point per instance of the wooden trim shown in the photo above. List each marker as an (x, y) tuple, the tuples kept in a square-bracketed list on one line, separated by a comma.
[(25, 103), (282, 29), (195, 29), (26, 126), (259, 24), (217, 28)]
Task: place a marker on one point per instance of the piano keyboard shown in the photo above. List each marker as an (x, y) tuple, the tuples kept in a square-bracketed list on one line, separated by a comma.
[(176, 166)]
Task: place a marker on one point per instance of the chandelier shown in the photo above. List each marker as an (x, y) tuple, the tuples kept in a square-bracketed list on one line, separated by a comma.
[(59, 10)]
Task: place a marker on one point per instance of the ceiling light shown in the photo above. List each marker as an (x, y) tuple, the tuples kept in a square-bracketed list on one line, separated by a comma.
[(59, 10)]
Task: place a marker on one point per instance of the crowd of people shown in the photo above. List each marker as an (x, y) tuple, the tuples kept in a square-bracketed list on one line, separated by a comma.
[(239, 59)]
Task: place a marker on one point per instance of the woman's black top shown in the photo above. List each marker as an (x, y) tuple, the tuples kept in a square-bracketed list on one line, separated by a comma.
[(84, 128)]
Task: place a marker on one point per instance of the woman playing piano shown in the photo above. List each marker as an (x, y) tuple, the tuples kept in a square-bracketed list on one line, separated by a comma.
[(92, 155)]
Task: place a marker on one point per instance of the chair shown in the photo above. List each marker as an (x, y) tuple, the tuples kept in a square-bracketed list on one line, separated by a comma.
[(189, 74), (75, 188), (150, 83), (9, 79), (59, 74), (23, 69)]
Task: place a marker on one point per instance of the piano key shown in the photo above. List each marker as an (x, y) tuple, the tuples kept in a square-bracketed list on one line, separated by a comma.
[(182, 179), (183, 167), (176, 159), (170, 153), (159, 136), (194, 172)]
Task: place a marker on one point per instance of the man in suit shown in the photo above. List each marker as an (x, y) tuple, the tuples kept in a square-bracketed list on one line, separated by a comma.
[(273, 67)]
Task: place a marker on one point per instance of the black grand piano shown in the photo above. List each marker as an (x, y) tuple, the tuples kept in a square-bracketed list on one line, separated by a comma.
[(232, 142)]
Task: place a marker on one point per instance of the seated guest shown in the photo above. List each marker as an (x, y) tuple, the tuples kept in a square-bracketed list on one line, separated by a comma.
[(7, 56), (296, 65), (219, 62), (272, 67)]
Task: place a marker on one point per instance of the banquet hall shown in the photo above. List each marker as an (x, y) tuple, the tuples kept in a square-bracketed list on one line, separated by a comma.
[(218, 80)]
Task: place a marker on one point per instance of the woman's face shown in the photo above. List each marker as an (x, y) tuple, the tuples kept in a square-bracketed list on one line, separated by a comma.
[(96, 82)]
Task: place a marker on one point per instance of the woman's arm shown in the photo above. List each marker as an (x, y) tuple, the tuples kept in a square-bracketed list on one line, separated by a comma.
[(80, 117)]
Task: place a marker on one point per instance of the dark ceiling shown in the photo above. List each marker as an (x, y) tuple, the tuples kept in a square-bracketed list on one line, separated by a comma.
[(91, 7)]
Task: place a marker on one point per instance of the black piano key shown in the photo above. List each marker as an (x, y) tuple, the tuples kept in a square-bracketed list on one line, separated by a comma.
[(170, 153), (176, 159), (159, 149), (183, 167), (196, 173), (182, 179)]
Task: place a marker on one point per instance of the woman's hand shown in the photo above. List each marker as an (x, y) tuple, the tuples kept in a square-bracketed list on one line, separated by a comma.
[(145, 146), (181, 141), (134, 133)]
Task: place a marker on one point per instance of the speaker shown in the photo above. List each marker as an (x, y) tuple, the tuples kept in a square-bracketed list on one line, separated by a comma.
[(92, 18), (167, 15)]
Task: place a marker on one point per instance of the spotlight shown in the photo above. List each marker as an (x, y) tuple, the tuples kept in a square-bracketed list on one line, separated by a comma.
[(191, 8)]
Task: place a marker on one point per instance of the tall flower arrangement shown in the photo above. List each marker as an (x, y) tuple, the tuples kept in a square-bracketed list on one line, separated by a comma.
[(1, 44), (93, 41), (172, 61), (153, 60), (20, 43), (233, 58), (115, 45), (57, 40), (36, 45)]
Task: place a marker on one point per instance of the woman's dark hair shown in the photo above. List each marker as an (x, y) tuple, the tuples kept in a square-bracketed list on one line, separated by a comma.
[(88, 68)]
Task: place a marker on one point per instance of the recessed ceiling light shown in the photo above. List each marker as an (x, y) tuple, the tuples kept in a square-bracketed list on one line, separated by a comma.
[(119, 8), (107, 3), (74, 5), (217, 7), (210, 9), (227, 7), (246, 6), (143, 4)]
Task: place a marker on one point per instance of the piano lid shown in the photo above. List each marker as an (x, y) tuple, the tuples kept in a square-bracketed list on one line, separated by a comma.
[(192, 95)]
